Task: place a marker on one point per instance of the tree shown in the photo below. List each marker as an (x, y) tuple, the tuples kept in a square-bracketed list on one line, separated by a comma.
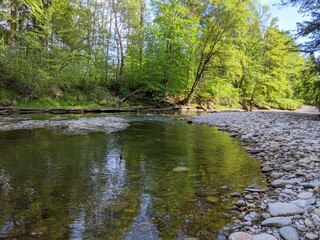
[(309, 28), (219, 22)]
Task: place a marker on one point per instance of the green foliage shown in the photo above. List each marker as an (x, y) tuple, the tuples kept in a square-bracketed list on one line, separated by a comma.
[(65, 52)]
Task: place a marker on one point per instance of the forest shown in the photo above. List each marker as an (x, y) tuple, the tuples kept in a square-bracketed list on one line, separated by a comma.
[(159, 52)]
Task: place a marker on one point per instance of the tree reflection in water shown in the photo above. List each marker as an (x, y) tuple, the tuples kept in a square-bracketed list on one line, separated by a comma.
[(120, 185)]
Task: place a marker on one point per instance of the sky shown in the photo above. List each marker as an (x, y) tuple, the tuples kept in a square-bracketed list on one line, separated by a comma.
[(288, 16)]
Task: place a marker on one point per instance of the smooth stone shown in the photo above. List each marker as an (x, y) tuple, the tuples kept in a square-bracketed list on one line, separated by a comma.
[(264, 236), (236, 194), (249, 197), (308, 222), (302, 228), (276, 175), (266, 169), (312, 184), (305, 195), (254, 190), (289, 233), (247, 218), (284, 209), (248, 223), (316, 220), (240, 203), (266, 215), (289, 167), (211, 199), (254, 216), (312, 236), (304, 202), (240, 236), (317, 212), (181, 169), (288, 191), (282, 182), (277, 222)]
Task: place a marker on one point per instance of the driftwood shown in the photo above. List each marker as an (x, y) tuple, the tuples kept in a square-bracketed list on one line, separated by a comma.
[(11, 111)]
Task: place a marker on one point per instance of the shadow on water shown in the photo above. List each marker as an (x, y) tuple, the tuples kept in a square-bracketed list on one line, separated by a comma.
[(124, 185)]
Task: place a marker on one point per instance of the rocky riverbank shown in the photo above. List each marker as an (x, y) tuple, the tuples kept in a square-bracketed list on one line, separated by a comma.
[(77, 126), (288, 147)]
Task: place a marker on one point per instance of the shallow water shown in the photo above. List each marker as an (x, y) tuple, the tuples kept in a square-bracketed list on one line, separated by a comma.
[(120, 185)]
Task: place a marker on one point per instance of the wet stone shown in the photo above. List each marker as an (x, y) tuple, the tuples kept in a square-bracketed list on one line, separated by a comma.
[(181, 169), (211, 199)]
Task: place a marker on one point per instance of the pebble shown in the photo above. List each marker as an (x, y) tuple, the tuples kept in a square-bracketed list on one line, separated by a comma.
[(289, 233), (246, 236), (266, 215), (277, 221), (284, 182), (305, 195), (289, 150), (304, 202), (308, 222), (312, 236), (284, 209), (264, 236), (240, 236), (317, 212)]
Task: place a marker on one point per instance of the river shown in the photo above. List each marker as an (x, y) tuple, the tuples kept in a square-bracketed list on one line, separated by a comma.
[(158, 178)]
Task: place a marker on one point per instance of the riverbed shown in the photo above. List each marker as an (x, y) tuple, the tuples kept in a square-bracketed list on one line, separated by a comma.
[(288, 147), (118, 177)]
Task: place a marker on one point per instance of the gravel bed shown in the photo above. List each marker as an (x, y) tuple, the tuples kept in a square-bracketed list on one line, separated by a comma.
[(77, 126), (288, 148)]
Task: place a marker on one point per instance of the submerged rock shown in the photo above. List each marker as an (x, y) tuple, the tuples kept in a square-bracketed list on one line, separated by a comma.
[(211, 199), (289, 157), (181, 169)]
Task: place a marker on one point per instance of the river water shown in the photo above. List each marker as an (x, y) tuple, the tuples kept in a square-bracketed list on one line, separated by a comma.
[(157, 179)]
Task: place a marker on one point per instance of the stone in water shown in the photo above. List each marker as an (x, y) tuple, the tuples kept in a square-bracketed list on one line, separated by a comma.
[(181, 169)]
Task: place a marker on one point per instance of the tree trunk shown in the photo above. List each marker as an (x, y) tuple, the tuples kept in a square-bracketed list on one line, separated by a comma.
[(13, 22)]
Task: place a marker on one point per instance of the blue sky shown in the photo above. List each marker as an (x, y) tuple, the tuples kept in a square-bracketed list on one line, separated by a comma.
[(288, 16)]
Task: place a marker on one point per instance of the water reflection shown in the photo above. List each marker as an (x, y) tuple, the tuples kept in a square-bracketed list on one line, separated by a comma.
[(121, 185), (142, 226)]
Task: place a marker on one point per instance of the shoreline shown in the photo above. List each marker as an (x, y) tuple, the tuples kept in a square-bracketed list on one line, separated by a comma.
[(287, 145)]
